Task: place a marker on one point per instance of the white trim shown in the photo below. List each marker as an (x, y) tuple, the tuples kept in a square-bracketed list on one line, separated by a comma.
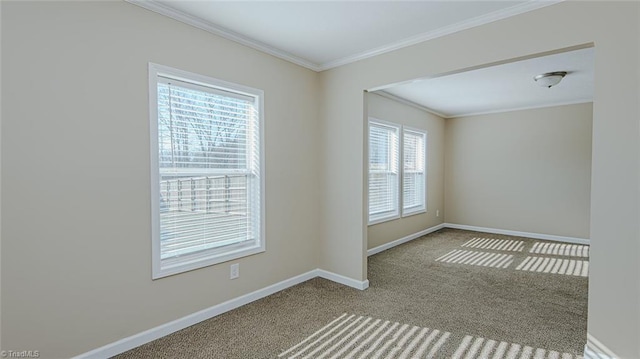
[(566, 103), (397, 214), (157, 74), (434, 112), (594, 349), (168, 11), (405, 239), (260, 46), (160, 331), (425, 153), (443, 31), (357, 284), (408, 103), (548, 237)]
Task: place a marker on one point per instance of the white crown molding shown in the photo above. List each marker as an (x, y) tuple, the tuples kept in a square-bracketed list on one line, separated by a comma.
[(434, 112), (443, 31), (409, 103), (222, 32), (566, 103), (260, 46)]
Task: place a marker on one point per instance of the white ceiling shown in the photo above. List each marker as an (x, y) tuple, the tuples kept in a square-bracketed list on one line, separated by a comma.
[(504, 87), (324, 34)]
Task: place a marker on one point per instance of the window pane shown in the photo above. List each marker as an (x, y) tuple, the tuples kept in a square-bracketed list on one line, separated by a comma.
[(383, 171), (413, 183), (208, 163)]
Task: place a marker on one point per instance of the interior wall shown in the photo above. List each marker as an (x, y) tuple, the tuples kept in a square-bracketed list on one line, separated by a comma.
[(76, 230), (386, 109), (614, 309), (526, 170)]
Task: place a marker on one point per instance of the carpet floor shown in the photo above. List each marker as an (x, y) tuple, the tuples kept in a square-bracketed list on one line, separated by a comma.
[(450, 294)]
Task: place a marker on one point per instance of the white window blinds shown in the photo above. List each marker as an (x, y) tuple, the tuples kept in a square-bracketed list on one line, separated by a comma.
[(413, 175), (208, 175), (383, 171)]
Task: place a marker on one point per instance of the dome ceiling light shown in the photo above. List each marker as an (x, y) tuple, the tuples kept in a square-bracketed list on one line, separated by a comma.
[(550, 79)]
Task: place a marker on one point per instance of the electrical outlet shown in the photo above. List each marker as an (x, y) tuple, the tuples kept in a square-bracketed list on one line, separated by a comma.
[(235, 271), (437, 213)]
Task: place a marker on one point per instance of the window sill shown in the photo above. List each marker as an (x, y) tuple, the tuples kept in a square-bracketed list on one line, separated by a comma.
[(413, 213)]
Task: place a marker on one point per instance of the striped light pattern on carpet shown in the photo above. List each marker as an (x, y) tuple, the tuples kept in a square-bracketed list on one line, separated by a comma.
[(495, 244), (359, 337), (555, 266), (484, 259), (471, 348), (560, 249)]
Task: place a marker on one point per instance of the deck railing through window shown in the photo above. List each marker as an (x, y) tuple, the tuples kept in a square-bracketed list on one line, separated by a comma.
[(205, 212)]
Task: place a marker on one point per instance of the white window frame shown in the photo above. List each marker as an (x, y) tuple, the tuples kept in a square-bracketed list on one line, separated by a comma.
[(397, 213), (406, 212), (220, 254)]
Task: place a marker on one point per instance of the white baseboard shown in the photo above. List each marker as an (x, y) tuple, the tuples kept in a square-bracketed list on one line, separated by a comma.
[(122, 345), (357, 284), (413, 236), (596, 350), (548, 237), (160, 331), (405, 239)]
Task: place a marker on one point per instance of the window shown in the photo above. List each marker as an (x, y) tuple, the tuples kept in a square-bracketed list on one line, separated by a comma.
[(385, 177), (384, 172), (206, 177), (413, 172)]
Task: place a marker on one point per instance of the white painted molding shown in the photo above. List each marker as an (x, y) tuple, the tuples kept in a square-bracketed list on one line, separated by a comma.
[(594, 349), (443, 31), (548, 237), (168, 11), (160, 331), (408, 103), (405, 239), (357, 284), (558, 104), (413, 236), (260, 46)]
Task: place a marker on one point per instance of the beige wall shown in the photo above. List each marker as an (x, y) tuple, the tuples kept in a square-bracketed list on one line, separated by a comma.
[(76, 247), (525, 170), (393, 111), (76, 260), (614, 305)]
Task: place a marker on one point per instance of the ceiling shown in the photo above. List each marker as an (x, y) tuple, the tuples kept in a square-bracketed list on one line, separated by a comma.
[(324, 34), (504, 87)]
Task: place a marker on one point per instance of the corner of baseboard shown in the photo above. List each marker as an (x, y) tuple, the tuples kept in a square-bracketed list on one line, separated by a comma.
[(350, 282), (594, 349), (405, 239)]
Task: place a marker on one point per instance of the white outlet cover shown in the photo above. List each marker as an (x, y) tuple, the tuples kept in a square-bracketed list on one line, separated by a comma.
[(234, 271)]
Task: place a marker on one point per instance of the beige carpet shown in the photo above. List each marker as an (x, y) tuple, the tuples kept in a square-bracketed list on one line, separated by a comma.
[(478, 302)]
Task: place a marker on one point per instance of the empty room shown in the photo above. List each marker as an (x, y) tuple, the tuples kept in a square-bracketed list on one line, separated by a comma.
[(426, 179)]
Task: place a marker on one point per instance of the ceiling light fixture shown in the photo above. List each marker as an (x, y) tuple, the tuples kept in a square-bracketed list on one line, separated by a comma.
[(550, 78)]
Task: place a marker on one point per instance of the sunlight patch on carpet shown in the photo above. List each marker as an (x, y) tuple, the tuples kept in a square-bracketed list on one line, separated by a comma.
[(484, 259), (560, 249), (495, 244), (359, 337), (555, 266), (481, 348)]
